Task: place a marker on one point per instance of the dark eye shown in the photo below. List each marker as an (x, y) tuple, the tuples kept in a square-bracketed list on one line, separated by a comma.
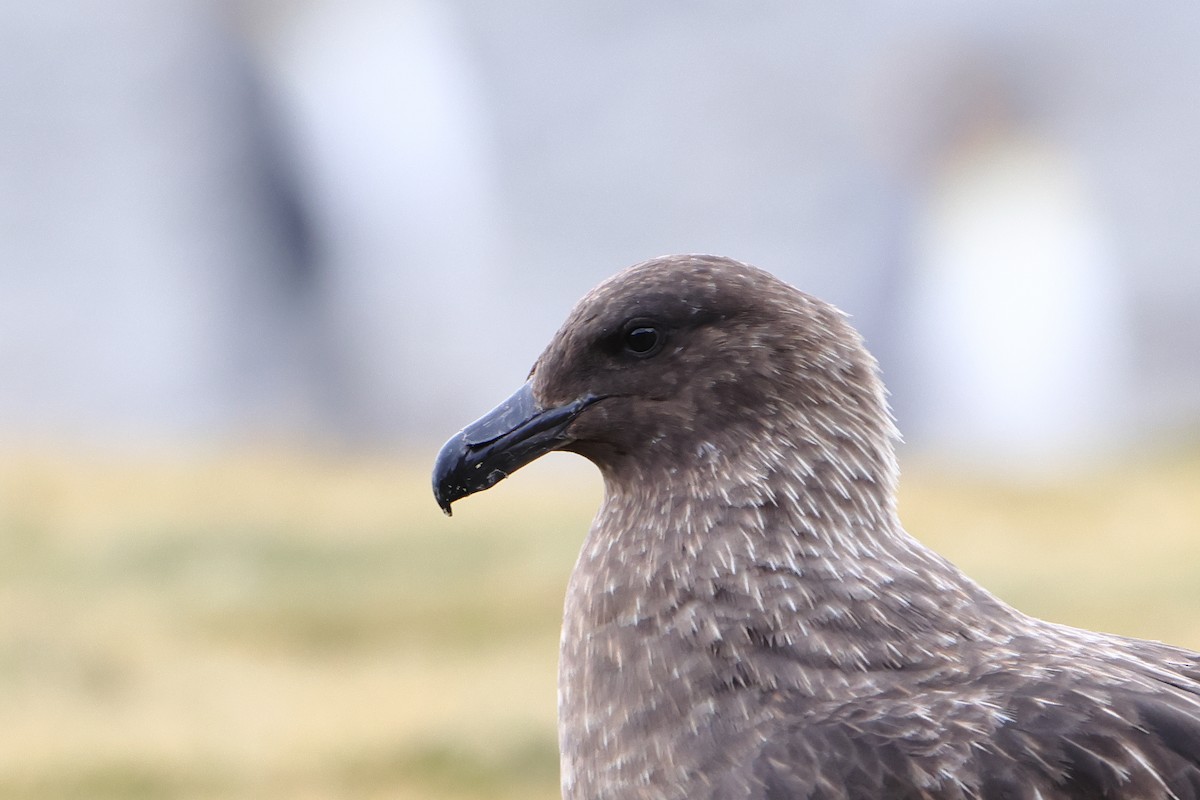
[(643, 340)]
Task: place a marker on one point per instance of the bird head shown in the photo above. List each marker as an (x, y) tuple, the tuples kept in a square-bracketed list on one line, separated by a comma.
[(677, 360)]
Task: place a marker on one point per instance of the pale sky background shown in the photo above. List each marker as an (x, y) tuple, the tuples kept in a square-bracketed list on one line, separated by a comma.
[(357, 223)]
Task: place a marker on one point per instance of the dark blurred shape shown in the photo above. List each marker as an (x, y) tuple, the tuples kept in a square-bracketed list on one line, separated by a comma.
[(153, 247)]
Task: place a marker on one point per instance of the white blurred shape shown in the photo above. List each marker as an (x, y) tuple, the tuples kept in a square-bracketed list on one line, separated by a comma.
[(1018, 342), (393, 147)]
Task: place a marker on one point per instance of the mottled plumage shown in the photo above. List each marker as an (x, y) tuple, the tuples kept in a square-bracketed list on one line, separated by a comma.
[(748, 618)]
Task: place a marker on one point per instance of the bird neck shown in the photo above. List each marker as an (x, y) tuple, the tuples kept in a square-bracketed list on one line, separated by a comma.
[(800, 547), (702, 593)]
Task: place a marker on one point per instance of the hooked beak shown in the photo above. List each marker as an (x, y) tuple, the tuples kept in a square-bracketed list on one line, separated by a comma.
[(499, 443)]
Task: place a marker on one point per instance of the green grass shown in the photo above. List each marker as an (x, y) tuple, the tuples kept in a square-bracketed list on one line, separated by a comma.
[(258, 627)]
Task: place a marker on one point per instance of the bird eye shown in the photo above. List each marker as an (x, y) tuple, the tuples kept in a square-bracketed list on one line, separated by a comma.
[(643, 340)]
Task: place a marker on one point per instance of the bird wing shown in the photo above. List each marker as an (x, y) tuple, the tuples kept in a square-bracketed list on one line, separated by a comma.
[(1066, 736)]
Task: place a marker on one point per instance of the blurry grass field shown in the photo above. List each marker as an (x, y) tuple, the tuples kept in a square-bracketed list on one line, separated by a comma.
[(311, 628)]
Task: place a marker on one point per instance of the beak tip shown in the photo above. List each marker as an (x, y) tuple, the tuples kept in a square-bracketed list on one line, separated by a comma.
[(442, 493), (445, 488)]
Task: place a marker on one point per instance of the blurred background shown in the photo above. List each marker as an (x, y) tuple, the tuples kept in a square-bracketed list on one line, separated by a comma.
[(258, 259)]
